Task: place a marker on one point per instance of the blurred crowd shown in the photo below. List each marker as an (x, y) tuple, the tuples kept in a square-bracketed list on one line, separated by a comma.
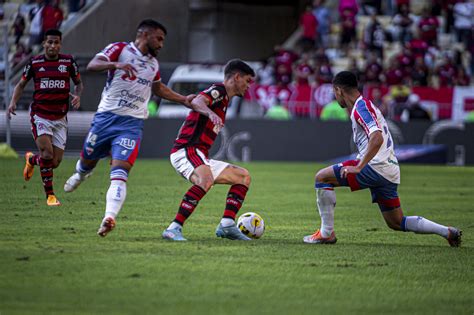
[(27, 21), (386, 43)]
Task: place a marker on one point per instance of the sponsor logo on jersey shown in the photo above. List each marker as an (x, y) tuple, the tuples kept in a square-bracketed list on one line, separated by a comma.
[(37, 60), (62, 68), (124, 103), (131, 97), (41, 69), (64, 60), (52, 84), (127, 143)]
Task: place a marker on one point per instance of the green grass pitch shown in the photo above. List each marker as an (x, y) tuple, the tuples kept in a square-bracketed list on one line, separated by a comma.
[(52, 261)]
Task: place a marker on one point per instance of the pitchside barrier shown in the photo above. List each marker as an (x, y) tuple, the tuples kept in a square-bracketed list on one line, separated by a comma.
[(295, 140)]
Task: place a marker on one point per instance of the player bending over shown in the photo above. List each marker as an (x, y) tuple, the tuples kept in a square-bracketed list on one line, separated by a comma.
[(190, 154), (376, 168)]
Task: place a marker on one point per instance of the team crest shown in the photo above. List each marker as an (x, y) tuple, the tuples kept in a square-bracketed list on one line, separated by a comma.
[(62, 68), (215, 94)]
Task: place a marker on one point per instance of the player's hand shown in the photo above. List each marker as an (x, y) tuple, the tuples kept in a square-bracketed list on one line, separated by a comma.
[(189, 99), (76, 101), (127, 68), (11, 110), (217, 121), (346, 170)]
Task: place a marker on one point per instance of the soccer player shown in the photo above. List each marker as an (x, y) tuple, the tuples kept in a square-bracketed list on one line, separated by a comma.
[(51, 73), (116, 130), (376, 168), (190, 154)]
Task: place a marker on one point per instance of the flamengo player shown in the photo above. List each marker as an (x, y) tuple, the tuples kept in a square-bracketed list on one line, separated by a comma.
[(51, 74), (133, 74), (190, 154), (376, 168)]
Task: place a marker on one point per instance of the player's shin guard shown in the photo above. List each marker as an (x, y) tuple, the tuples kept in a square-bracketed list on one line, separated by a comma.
[(421, 225), (235, 199), (46, 168), (187, 205), (326, 201), (117, 191)]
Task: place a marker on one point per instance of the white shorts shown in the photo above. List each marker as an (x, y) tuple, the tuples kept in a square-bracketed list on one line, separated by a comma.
[(187, 159), (57, 129)]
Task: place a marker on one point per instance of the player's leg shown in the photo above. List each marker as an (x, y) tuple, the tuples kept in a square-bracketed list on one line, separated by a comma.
[(96, 146), (325, 181), (398, 222), (124, 151), (192, 165), (46, 164), (239, 179)]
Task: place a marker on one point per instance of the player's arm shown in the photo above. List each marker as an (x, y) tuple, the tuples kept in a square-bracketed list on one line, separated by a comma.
[(200, 104), (373, 147), (76, 96), (17, 92), (100, 63), (165, 92)]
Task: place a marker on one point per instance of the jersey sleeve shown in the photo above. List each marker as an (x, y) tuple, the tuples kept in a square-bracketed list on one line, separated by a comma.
[(112, 51), (157, 77), (213, 94), (366, 117), (27, 71), (74, 70)]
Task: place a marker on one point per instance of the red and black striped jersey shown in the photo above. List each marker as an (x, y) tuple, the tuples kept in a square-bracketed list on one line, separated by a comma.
[(198, 130), (52, 84)]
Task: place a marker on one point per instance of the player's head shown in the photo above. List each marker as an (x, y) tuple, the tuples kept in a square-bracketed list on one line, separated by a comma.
[(151, 35), (239, 74), (344, 84), (52, 43)]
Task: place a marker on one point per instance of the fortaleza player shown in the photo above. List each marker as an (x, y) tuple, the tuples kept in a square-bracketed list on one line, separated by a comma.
[(133, 74), (51, 73), (376, 168), (190, 154)]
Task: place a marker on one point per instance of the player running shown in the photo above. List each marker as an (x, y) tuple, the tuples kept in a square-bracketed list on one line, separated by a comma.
[(116, 130), (190, 154), (51, 73), (376, 168)]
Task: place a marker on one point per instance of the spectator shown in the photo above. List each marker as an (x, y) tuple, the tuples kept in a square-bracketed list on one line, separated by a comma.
[(283, 65), (278, 111), (309, 24), (303, 72), (428, 27), (463, 21), (371, 7), (405, 60), (354, 68), (414, 111), (403, 22), (394, 75), (323, 16), (373, 71), (266, 73), (374, 37), (36, 25), (324, 72), (52, 16), (446, 72), (417, 46), (18, 27), (334, 111), (420, 72), (398, 99), (347, 11), (462, 78), (448, 7), (20, 54), (75, 5)]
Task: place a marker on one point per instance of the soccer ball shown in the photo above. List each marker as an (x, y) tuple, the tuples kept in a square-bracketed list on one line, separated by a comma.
[(251, 224)]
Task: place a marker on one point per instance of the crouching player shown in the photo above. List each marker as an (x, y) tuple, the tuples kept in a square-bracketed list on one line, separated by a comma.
[(376, 168)]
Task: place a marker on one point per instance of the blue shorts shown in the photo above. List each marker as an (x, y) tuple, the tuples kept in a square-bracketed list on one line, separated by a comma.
[(384, 192), (115, 135)]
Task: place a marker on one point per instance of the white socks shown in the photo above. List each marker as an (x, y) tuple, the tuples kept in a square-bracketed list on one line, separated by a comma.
[(326, 200), (226, 222), (82, 170), (421, 225), (115, 198)]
